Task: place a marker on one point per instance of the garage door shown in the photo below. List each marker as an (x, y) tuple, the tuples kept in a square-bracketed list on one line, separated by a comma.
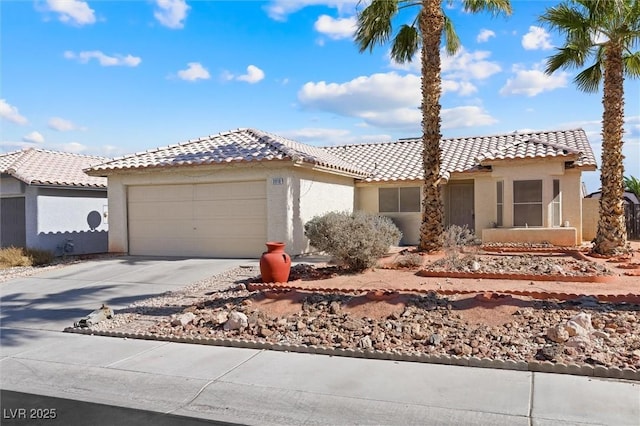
[(205, 220)]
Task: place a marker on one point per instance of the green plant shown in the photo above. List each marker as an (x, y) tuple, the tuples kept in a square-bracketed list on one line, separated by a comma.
[(356, 240), (632, 184)]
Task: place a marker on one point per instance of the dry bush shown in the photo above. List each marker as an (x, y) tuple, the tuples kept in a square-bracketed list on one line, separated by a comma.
[(409, 260), (356, 240), (17, 256)]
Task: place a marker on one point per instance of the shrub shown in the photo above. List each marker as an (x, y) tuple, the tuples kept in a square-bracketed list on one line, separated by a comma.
[(39, 257), (409, 260), (454, 238), (16, 256), (355, 240), (13, 256)]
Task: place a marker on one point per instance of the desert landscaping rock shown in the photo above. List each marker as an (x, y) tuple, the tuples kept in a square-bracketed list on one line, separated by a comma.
[(416, 326)]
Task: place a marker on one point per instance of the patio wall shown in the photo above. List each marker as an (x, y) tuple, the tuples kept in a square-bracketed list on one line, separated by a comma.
[(555, 236), (590, 215)]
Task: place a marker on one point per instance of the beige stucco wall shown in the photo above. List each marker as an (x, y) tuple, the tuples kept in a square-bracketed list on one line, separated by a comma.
[(555, 236), (547, 170), (590, 216), (366, 199), (285, 185), (313, 194), (486, 200)]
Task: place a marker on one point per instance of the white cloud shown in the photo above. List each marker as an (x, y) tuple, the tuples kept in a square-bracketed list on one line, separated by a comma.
[(195, 71), (73, 147), (469, 65), (104, 60), (463, 88), (532, 82), (457, 71), (33, 137), (384, 100), (279, 10), (335, 29), (72, 11), (537, 39), (465, 116), (329, 137), (253, 75), (171, 13), (61, 125), (377, 92), (485, 35), (10, 113)]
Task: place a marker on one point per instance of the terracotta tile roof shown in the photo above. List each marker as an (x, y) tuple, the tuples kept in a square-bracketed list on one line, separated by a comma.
[(41, 167), (402, 160), (239, 146)]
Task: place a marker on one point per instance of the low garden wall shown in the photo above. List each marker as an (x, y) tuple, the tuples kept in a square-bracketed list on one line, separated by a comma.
[(557, 236)]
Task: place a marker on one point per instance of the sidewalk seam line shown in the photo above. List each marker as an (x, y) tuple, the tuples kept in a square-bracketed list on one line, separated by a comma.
[(531, 391), (134, 355), (215, 379)]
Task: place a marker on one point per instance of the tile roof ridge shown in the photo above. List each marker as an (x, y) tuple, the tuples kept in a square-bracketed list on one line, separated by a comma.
[(72, 154), (351, 145), (174, 145), (552, 145)]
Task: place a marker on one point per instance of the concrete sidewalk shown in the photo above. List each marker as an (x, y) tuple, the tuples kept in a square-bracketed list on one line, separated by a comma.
[(259, 387)]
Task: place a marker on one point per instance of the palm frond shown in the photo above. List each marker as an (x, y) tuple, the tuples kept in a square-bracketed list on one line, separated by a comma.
[(451, 39), (374, 25), (495, 7), (632, 64), (566, 19), (405, 44), (566, 58), (588, 80)]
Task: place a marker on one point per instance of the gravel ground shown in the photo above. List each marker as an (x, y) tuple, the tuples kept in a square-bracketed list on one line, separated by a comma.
[(577, 331), (533, 264)]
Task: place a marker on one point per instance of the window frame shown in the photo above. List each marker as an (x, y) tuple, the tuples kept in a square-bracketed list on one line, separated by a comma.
[(517, 222), (500, 203), (556, 204), (399, 199)]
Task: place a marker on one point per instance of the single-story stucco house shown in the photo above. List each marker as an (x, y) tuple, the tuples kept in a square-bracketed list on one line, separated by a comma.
[(226, 194), (48, 202)]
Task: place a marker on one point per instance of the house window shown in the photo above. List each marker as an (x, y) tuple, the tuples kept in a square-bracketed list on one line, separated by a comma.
[(500, 202), (556, 205), (527, 203), (393, 200)]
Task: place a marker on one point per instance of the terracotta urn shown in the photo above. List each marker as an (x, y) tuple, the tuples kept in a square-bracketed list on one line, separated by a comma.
[(275, 264)]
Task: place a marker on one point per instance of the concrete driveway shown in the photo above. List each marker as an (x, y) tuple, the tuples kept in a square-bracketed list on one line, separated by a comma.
[(250, 386)]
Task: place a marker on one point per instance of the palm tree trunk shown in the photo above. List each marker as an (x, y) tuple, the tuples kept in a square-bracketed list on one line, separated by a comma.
[(611, 236), (431, 27)]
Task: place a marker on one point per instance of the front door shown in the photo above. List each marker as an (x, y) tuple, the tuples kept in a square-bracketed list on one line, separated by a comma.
[(461, 205)]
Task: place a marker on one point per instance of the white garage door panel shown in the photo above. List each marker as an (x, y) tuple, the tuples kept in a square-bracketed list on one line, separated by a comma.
[(211, 220), (230, 209)]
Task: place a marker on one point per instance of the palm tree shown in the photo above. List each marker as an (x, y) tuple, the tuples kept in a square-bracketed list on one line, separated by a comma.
[(632, 184), (425, 33), (607, 31)]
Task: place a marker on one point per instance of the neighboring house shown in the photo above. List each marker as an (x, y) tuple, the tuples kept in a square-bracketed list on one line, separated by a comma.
[(628, 197), (48, 202), (631, 203), (226, 194)]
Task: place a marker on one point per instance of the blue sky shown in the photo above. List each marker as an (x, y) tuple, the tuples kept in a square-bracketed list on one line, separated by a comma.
[(115, 77)]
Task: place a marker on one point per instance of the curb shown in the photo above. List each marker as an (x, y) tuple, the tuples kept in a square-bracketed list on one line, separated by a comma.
[(533, 366)]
